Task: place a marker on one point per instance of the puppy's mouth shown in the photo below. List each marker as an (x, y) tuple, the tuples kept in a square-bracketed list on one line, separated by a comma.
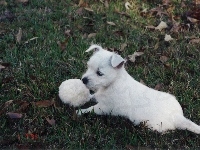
[(91, 88)]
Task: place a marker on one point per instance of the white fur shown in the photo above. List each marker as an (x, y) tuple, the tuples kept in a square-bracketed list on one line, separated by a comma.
[(73, 92), (117, 93)]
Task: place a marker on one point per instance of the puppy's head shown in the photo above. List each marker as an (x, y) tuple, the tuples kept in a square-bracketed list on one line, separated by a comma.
[(103, 68)]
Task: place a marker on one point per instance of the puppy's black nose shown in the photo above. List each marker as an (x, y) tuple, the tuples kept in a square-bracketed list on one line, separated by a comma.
[(85, 80)]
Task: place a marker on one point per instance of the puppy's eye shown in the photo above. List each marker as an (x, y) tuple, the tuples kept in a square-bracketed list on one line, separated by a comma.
[(99, 73)]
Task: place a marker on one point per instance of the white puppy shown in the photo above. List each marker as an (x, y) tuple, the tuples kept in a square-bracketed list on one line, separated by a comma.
[(117, 93)]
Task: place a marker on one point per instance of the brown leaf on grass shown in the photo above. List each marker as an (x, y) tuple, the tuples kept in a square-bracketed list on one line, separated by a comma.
[(150, 27), (21, 1), (2, 67), (123, 46), (91, 35), (63, 45), (106, 3), (134, 55), (22, 107), (166, 2), (43, 103), (193, 20), (183, 5), (8, 103), (88, 9), (156, 46), (128, 6), (82, 3), (196, 2), (158, 87), (68, 33), (194, 41), (176, 27), (158, 11), (14, 115), (111, 23), (80, 11), (51, 121), (4, 106), (193, 15), (3, 2), (163, 59), (19, 36)]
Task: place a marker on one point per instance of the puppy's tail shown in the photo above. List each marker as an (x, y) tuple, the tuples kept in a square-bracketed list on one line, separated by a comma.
[(94, 47), (183, 123)]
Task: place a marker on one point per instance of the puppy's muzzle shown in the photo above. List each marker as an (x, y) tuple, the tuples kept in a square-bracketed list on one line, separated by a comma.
[(85, 80)]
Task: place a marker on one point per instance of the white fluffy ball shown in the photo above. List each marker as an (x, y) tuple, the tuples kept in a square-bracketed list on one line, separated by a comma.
[(74, 92)]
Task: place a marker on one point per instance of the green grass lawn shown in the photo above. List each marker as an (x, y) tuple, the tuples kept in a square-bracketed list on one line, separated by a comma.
[(42, 43)]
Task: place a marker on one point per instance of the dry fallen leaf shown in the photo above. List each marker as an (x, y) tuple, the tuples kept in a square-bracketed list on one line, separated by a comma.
[(63, 45), (123, 46), (21, 1), (2, 67), (150, 27), (111, 23), (196, 2), (176, 27), (194, 41), (168, 38), (161, 26), (106, 3), (82, 3), (134, 55), (88, 9), (166, 2), (14, 115), (51, 121), (68, 33), (163, 59), (19, 36), (158, 11), (193, 20), (91, 35), (43, 103), (3, 2), (4, 106), (128, 6), (23, 107)]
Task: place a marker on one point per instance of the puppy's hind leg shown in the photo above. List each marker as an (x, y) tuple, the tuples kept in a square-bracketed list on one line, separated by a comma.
[(97, 109), (183, 123)]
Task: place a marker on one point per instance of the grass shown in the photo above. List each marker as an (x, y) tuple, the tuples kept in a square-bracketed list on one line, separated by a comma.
[(34, 70)]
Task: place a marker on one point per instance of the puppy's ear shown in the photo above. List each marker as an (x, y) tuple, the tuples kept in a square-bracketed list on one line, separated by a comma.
[(94, 47), (117, 61)]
